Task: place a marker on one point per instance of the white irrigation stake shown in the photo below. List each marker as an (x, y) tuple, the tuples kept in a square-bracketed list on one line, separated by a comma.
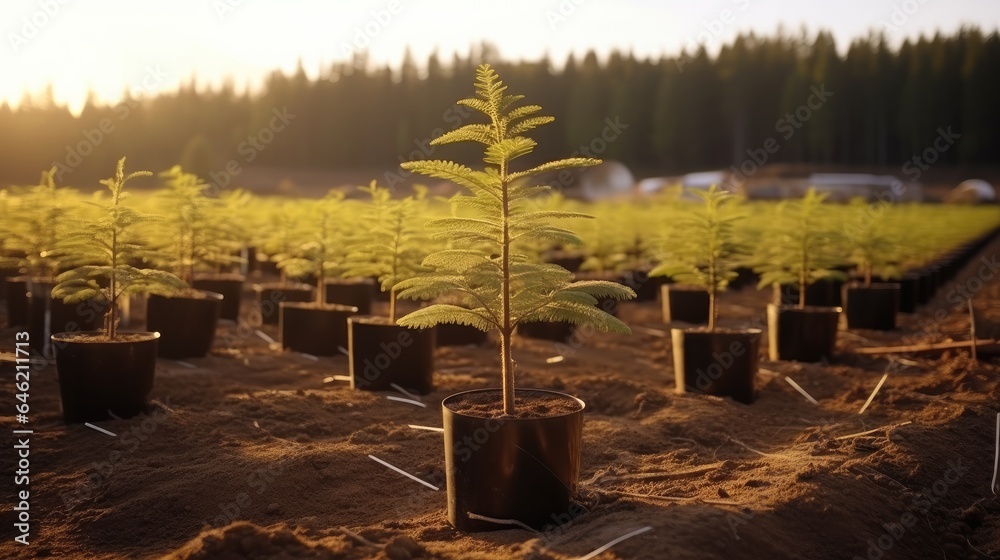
[(404, 473), (872, 396), (341, 377), (99, 429), (616, 541), (654, 332), (996, 456), (264, 337), (343, 351), (404, 391), (409, 401), (801, 390), (554, 359), (186, 364), (309, 356), (429, 428)]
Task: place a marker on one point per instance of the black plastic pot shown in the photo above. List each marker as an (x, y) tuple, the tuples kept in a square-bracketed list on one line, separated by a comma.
[(269, 296), (925, 286), (98, 379), (511, 468), (684, 304), (556, 331), (871, 307), (381, 354), (308, 328), (745, 276), (17, 301), (821, 293), (231, 288), (6, 273), (459, 335), (186, 324), (803, 335), (721, 363), (355, 292), (909, 286)]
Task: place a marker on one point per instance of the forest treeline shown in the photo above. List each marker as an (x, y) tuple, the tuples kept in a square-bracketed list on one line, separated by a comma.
[(873, 105)]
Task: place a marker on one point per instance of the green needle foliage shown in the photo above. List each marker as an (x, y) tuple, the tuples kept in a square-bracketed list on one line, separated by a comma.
[(707, 253), (41, 224), (7, 208), (870, 242), (194, 238), (501, 287), (395, 245), (107, 245), (323, 251), (281, 236), (798, 246)]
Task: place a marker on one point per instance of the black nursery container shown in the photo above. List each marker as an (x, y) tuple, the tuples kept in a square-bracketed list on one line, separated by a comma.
[(685, 304), (269, 296), (556, 331), (355, 292), (231, 288), (186, 324), (311, 329), (382, 354), (721, 362), (511, 468), (17, 301), (98, 379), (803, 335), (871, 307)]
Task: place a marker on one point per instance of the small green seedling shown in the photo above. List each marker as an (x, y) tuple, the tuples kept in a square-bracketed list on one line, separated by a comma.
[(501, 287), (323, 250), (105, 246)]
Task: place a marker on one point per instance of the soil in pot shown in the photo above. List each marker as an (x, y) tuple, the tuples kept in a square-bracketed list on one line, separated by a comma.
[(524, 467), (803, 335), (871, 307), (355, 292), (98, 378), (382, 353), (311, 329), (721, 362), (685, 304), (17, 301), (269, 296), (186, 324), (231, 288)]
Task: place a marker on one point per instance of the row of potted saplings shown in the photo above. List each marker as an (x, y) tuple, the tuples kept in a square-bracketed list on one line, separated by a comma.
[(525, 464)]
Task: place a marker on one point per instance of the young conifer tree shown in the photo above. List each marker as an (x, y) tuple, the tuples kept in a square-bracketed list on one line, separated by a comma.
[(707, 252), (104, 247), (323, 249), (500, 285), (395, 245), (798, 246)]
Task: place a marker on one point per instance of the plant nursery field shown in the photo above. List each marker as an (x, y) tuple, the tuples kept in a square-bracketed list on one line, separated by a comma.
[(251, 452)]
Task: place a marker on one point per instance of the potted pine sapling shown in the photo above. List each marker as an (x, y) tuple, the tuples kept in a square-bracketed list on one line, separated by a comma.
[(527, 468), (42, 222), (382, 353), (279, 243), (225, 271), (191, 239), (108, 373), (9, 259), (797, 249), (683, 298), (868, 304), (711, 360), (317, 327)]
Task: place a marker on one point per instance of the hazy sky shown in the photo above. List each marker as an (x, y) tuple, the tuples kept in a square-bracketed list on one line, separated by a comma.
[(146, 46)]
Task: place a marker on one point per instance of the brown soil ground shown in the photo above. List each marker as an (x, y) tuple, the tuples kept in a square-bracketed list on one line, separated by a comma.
[(252, 453)]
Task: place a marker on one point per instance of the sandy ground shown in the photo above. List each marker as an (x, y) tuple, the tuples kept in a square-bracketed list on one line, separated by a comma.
[(252, 453)]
